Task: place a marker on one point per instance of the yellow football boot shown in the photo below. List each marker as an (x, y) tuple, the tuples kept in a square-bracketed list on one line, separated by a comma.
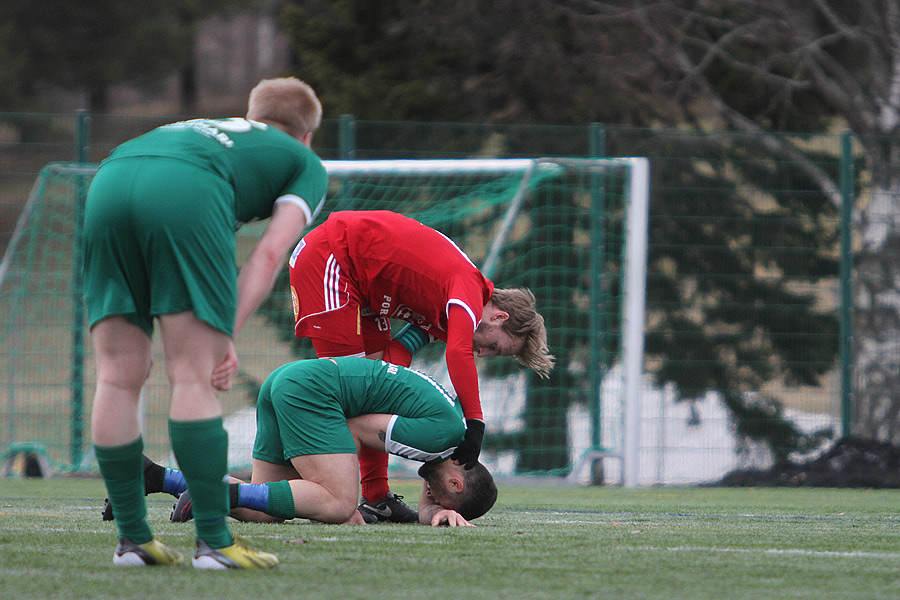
[(235, 556), (151, 554)]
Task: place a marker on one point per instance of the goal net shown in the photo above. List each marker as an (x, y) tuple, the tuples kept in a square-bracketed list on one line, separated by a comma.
[(571, 230)]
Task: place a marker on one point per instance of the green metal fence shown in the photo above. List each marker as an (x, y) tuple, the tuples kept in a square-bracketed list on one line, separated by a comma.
[(749, 278)]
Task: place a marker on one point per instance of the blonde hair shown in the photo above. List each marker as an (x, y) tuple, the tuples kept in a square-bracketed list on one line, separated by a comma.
[(288, 103), (526, 324)]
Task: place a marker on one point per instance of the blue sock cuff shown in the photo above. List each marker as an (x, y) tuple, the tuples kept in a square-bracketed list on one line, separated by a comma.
[(253, 495), (174, 482)]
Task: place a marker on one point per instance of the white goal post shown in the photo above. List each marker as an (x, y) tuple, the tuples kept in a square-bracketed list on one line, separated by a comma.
[(635, 264)]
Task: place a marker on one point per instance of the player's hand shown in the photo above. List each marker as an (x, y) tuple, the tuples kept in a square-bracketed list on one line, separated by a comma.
[(226, 370), (467, 453), (449, 518)]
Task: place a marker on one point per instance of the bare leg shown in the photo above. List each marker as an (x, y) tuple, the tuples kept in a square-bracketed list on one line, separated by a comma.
[(193, 349), (199, 441), (329, 489), (123, 355), (263, 472)]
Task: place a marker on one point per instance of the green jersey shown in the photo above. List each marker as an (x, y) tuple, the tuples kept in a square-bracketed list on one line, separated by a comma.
[(261, 163), (162, 210)]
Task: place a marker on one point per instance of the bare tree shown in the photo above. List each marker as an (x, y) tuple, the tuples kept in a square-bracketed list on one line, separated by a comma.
[(769, 67)]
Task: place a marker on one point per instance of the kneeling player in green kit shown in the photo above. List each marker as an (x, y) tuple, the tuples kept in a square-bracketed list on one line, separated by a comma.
[(311, 414)]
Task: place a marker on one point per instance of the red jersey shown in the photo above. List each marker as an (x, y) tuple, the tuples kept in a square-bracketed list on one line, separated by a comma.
[(406, 270)]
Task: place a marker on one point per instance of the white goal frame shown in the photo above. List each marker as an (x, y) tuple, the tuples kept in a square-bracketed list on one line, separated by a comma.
[(635, 265), (637, 187)]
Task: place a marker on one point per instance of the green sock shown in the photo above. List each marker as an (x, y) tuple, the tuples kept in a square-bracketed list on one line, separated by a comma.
[(201, 449), (122, 468), (281, 500)]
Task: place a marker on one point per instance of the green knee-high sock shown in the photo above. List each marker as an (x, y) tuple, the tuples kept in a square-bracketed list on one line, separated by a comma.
[(201, 449), (122, 468)]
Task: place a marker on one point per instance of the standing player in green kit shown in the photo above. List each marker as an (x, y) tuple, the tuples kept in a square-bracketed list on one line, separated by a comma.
[(159, 231)]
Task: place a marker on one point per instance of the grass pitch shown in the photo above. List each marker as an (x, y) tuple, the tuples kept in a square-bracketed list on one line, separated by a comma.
[(540, 541)]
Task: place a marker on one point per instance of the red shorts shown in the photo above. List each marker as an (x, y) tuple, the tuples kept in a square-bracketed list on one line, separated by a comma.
[(327, 304)]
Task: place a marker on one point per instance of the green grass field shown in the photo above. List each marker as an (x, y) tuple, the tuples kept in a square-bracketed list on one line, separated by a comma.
[(540, 541)]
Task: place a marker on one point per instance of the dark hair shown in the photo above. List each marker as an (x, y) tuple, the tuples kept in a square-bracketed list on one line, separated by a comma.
[(479, 494)]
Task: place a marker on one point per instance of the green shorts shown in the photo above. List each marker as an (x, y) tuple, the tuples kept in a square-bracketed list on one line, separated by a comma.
[(159, 239), (303, 409)]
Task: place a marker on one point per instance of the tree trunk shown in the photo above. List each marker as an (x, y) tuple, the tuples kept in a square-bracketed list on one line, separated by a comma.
[(187, 74), (876, 343), (187, 81)]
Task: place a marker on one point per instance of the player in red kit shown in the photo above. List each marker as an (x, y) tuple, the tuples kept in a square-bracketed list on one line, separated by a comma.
[(359, 269)]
